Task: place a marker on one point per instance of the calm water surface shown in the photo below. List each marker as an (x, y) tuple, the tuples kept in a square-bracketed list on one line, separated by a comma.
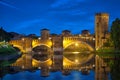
[(26, 75)]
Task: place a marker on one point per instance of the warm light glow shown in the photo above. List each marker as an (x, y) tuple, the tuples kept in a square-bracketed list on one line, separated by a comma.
[(93, 38), (49, 62), (76, 44), (65, 43), (23, 67), (39, 38), (49, 43), (33, 43), (67, 62), (50, 38), (76, 60), (23, 39), (39, 67), (33, 63), (64, 63), (75, 52)]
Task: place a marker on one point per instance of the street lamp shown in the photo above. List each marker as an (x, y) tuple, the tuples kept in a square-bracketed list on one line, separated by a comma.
[(39, 38), (23, 39)]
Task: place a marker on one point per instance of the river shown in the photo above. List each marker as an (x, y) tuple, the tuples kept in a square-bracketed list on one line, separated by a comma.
[(28, 69), (26, 75)]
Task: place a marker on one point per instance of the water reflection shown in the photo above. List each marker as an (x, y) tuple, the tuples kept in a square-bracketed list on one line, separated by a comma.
[(29, 68)]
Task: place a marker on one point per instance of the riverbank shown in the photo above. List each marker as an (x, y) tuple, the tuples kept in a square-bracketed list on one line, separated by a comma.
[(8, 54)]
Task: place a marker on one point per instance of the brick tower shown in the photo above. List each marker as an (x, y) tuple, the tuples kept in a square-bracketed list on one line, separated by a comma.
[(44, 34), (101, 28)]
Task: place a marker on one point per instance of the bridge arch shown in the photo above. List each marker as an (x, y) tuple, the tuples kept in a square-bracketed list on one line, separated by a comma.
[(42, 48), (47, 43), (41, 45), (19, 47), (67, 44), (37, 63)]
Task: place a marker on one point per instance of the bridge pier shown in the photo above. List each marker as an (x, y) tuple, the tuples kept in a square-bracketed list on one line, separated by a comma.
[(57, 59), (44, 70), (27, 61)]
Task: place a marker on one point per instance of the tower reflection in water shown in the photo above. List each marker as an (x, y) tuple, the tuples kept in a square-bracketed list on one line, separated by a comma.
[(28, 63)]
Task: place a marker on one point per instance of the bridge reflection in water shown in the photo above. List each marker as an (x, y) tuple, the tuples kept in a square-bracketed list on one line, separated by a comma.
[(28, 62)]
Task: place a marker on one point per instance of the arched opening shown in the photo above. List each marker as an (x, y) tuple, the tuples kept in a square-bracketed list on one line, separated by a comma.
[(81, 44), (78, 52), (41, 52), (17, 49)]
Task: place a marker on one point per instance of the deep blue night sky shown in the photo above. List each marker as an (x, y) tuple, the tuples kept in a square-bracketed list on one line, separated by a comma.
[(30, 16)]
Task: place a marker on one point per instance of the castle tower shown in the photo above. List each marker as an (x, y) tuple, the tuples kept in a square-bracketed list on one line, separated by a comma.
[(66, 33), (44, 34), (101, 28)]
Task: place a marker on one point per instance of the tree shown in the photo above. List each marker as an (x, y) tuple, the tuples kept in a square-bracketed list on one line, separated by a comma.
[(115, 37), (115, 33), (4, 35), (115, 69), (108, 43)]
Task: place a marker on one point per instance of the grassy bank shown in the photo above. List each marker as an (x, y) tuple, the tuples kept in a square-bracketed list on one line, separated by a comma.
[(7, 50), (8, 54)]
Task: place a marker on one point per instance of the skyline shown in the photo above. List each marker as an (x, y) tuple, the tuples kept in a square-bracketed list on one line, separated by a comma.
[(27, 17)]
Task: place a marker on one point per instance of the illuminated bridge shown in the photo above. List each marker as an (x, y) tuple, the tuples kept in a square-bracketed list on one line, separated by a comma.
[(27, 44), (75, 50)]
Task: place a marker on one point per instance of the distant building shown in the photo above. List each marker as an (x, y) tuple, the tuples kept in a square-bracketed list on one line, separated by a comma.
[(66, 33), (85, 33), (32, 36)]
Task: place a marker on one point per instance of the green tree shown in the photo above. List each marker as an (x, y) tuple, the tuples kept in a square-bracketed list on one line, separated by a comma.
[(115, 33), (115, 37), (115, 68), (4, 35)]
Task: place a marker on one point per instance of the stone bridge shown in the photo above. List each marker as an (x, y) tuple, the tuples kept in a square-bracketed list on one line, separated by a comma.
[(27, 44), (58, 46)]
